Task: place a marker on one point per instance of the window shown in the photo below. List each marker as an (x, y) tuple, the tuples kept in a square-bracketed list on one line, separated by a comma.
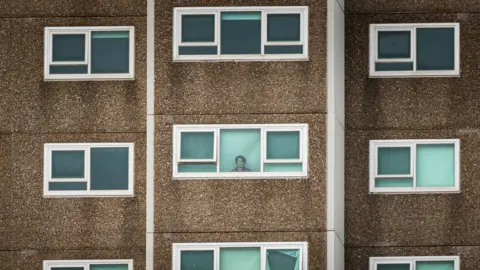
[(233, 256), (89, 53), (417, 263), (240, 33), (88, 169), (88, 265), (404, 166), (407, 50), (240, 151)]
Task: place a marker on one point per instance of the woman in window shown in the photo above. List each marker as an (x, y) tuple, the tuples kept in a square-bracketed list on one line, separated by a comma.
[(241, 161)]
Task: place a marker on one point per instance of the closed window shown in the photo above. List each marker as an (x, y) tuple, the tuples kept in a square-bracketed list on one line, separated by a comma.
[(417, 263), (404, 50), (84, 53), (240, 151), (241, 33), (404, 166), (234, 256), (90, 169), (88, 265)]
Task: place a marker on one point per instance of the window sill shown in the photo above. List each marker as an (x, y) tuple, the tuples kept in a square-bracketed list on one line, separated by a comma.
[(81, 77), (413, 74), (239, 58)]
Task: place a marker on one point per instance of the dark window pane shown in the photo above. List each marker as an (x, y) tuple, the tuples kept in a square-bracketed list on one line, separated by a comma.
[(197, 50), (109, 168), (396, 266), (68, 164), (393, 44), (110, 52), (435, 49), (291, 49), (197, 260), (283, 27), (80, 69), (196, 145), (67, 186), (286, 259), (109, 267), (240, 33), (405, 66), (70, 47), (198, 28), (283, 145), (393, 160)]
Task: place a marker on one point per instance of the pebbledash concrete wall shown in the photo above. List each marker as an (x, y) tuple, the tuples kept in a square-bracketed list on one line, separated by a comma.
[(411, 108), (34, 112)]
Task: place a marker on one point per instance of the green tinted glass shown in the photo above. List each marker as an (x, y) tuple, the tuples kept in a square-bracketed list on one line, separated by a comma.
[(283, 145), (197, 145), (240, 258), (394, 182), (185, 168), (198, 28), (240, 142), (240, 33), (283, 259), (435, 49), (283, 167), (110, 52), (396, 266), (438, 265), (394, 44), (393, 160), (67, 186), (109, 267), (196, 260), (283, 27), (109, 168), (68, 47), (435, 165), (68, 164)]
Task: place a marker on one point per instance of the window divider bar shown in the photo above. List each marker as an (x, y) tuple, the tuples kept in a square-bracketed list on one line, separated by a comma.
[(218, 29), (263, 31), (88, 50), (87, 167)]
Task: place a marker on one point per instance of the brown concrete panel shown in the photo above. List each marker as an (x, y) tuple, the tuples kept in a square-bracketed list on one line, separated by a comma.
[(5, 173), (411, 103), (73, 223), (411, 219), (5, 84), (74, 106), (411, 6), (240, 87), (316, 244), (214, 205)]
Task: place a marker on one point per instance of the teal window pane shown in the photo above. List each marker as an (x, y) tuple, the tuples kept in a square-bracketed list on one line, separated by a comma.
[(435, 165), (240, 33), (67, 186), (67, 268), (196, 260), (402, 66), (197, 50), (287, 49), (283, 259), (283, 27), (396, 266), (394, 182), (110, 52), (240, 258), (77, 69), (240, 142), (283, 145), (283, 167), (198, 28), (68, 164), (393, 160), (393, 44), (439, 265), (435, 49), (186, 168), (197, 145), (109, 168), (68, 48), (109, 267)]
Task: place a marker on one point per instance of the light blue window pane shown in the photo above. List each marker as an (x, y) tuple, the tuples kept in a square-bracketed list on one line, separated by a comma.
[(397, 182), (67, 186), (109, 267), (396, 266), (197, 145), (67, 268), (68, 164), (240, 258), (435, 49), (196, 260), (184, 168), (290, 49), (282, 167), (394, 66), (393, 160), (283, 259), (240, 33), (110, 52), (283, 27), (448, 265), (198, 28), (109, 168), (240, 142), (77, 69), (283, 145), (68, 48), (197, 50), (435, 165), (393, 44)]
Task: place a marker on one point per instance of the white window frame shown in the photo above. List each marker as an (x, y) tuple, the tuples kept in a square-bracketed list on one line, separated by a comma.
[(47, 170), (264, 246), (48, 264), (375, 28), (264, 128), (375, 261), (373, 166), (48, 54), (177, 35)]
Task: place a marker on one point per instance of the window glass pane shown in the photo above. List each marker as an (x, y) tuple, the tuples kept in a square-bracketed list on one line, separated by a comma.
[(396, 266), (110, 52), (394, 182), (394, 66), (282, 167), (283, 27), (196, 260), (197, 145), (194, 50), (238, 142), (68, 48), (393, 44), (77, 69), (393, 160), (435, 165), (184, 168), (283, 145), (240, 33), (283, 259), (290, 49), (240, 258), (67, 186), (435, 49), (109, 168), (68, 164), (67, 268), (198, 28), (109, 267), (449, 265)]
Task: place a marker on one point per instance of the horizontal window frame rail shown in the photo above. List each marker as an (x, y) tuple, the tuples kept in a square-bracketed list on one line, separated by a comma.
[(375, 261), (48, 264)]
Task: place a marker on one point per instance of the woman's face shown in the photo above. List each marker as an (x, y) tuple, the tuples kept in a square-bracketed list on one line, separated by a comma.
[(240, 163)]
